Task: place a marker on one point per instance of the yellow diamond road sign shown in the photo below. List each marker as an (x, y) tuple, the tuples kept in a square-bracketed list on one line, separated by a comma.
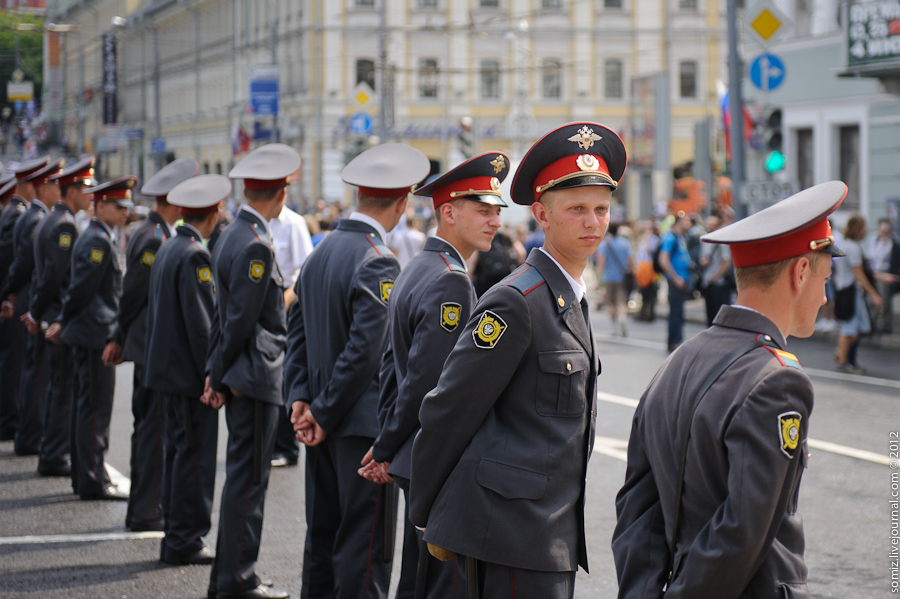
[(767, 22), (362, 93)]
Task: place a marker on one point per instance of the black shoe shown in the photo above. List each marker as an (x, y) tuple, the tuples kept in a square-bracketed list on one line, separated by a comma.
[(260, 592), (27, 451), (8, 436), (110, 493), (54, 469), (202, 557), (154, 525), (279, 460)]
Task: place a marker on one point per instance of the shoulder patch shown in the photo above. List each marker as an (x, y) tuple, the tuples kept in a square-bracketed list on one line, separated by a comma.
[(65, 240), (257, 270), (147, 258), (489, 330), (204, 275), (96, 255), (386, 286), (789, 432), (450, 312), (785, 358), (526, 281)]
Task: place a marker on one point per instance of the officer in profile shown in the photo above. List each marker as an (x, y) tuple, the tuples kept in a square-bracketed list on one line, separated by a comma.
[(180, 310), (245, 365), (145, 501), (431, 297), (54, 236), (87, 324), (719, 439), (498, 469), (337, 336)]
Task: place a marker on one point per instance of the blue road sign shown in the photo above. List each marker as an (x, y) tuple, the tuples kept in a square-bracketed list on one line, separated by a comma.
[(158, 145), (360, 123), (767, 72), (264, 96)]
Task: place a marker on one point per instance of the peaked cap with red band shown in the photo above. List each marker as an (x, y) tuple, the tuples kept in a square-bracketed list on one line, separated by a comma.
[(26, 169), (574, 155), (43, 174), (117, 190), (80, 172), (477, 179), (160, 184), (267, 167), (790, 228), (200, 195), (387, 170), (7, 186)]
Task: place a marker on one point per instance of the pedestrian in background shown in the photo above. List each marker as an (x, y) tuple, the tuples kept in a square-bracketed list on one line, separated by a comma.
[(675, 262), (645, 275), (717, 282), (885, 253), (614, 261)]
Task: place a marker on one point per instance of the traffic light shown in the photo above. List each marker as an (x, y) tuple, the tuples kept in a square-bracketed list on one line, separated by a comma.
[(773, 139), (466, 138)]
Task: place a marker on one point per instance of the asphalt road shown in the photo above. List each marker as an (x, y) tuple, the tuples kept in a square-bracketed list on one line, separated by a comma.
[(52, 545)]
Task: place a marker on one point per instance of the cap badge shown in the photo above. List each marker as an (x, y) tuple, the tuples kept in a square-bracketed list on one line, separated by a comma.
[(588, 162), (585, 137), (489, 330), (450, 316), (789, 424), (499, 164)]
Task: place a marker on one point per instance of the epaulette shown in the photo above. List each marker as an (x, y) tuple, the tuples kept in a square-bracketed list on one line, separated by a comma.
[(453, 262), (526, 281), (378, 244), (157, 232), (68, 218), (785, 358), (260, 233)]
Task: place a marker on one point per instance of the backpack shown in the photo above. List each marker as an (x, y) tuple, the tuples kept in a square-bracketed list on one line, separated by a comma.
[(657, 268)]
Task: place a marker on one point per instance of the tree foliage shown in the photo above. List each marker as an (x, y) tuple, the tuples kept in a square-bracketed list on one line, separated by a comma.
[(31, 51)]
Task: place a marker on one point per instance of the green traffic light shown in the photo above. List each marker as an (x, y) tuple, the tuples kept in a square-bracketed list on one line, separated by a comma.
[(774, 161)]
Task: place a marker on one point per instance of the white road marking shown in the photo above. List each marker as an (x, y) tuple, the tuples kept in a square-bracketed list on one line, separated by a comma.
[(616, 448)]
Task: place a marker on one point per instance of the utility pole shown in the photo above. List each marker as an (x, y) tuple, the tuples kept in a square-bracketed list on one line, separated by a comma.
[(736, 108), (384, 72)]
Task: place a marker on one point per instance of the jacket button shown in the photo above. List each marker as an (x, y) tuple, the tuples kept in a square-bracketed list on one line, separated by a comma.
[(568, 366)]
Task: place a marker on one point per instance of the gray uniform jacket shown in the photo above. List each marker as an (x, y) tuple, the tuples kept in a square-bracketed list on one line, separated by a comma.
[(338, 329), (18, 279), (739, 534), (179, 315), (11, 213), (432, 300), (54, 237), (499, 466), (91, 302), (143, 244), (248, 335)]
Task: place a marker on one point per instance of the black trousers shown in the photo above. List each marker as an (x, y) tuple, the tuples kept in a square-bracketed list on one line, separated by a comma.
[(505, 582), (716, 296), (251, 438), (286, 442), (32, 396), (342, 557), (192, 432), (58, 409), (147, 445), (93, 409), (12, 349)]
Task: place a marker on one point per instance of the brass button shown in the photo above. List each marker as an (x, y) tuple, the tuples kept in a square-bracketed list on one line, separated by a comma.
[(561, 302), (568, 366)]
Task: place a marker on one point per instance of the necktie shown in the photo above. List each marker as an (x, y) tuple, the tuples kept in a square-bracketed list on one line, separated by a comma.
[(584, 311)]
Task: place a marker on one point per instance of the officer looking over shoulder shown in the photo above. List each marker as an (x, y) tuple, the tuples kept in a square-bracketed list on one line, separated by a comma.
[(498, 469), (431, 300), (719, 439)]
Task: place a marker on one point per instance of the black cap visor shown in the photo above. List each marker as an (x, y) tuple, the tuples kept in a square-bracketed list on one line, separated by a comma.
[(586, 180)]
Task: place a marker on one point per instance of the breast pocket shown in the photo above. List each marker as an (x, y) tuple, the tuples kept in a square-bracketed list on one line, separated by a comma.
[(561, 383)]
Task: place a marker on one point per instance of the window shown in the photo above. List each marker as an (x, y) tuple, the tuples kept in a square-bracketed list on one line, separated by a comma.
[(552, 4), (428, 76), (426, 3), (552, 79), (805, 158), (490, 79), (848, 164), (687, 72), (690, 5), (365, 71), (364, 2), (612, 4), (612, 78), (489, 3)]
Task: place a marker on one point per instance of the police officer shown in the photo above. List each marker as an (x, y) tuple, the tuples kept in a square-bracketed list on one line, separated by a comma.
[(17, 290), (431, 298), (337, 337), (144, 503), (719, 440), (245, 365), (499, 466), (87, 324), (54, 237), (179, 314)]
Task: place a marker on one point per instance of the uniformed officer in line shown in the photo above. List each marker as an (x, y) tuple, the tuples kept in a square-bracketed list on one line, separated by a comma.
[(54, 238), (719, 439), (245, 365), (498, 472), (337, 336), (17, 290), (87, 324), (179, 314), (145, 500), (12, 331), (431, 298)]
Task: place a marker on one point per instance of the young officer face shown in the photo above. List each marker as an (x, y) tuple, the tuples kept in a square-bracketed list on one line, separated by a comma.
[(476, 223), (812, 296), (111, 214), (574, 220)]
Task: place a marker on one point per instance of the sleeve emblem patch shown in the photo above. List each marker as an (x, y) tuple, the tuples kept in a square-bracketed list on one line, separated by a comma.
[(204, 275), (257, 270), (789, 430), (65, 240), (147, 258), (386, 287), (450, 316), (96, 255), (489, 330)]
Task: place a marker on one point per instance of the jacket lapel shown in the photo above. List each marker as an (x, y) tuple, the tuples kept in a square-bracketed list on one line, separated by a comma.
[(564, 298)]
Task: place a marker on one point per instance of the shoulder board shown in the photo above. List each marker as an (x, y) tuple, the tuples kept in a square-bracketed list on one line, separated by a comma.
[(453, 262), (157, 232), (785, 358), (526, 281), (68, 218), (260, 233), (379, 246)]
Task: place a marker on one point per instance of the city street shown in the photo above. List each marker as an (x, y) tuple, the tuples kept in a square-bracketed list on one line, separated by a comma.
[(53, 546)]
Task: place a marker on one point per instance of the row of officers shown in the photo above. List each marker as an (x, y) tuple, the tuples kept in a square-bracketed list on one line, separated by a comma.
[(481, 410)]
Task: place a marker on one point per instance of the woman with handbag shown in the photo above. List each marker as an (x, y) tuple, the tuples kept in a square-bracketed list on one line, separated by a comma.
[(852, 285)]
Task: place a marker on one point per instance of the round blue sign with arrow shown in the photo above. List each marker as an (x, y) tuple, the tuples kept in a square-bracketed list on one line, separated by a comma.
[(767, 72), (360, 123)]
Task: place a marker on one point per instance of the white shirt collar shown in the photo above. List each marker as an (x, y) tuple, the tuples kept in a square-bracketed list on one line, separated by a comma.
[(193, 228), (39, 203), (172, 228), (455, 251), (253, 211), (371, 222), (578, 287)]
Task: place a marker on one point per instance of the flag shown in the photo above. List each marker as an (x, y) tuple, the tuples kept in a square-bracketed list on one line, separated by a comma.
[(726, 120), (240, 140)]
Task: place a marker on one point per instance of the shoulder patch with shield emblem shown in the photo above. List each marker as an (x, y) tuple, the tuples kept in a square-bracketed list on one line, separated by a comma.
[(257, 270), (789, 432), (204, 275), (489, 330), (96, 255), (386, 286), (65, 240), (450, 316), (147, 258)]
